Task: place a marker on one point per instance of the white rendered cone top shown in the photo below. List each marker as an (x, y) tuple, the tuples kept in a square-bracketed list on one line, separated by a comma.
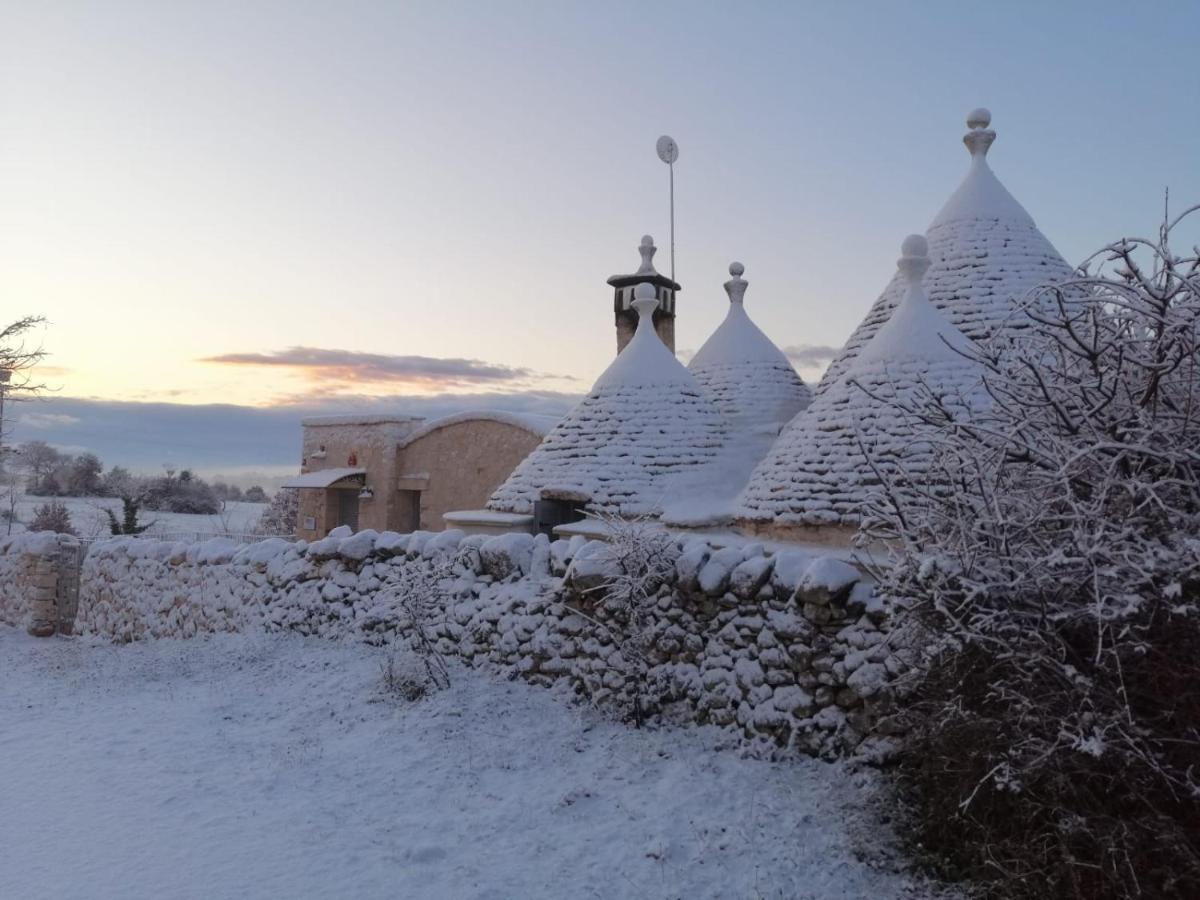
[(915, 330), (981, 195), (737, 339)]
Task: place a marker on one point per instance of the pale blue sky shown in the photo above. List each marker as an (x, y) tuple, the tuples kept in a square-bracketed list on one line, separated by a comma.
[(181, 181)]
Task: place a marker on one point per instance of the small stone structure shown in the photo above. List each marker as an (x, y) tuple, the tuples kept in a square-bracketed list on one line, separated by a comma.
[(403, 473), (39, 582), (785, 650)]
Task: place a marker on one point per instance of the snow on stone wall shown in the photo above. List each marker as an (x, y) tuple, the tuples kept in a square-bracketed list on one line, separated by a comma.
[(36, 567), (786, 651)]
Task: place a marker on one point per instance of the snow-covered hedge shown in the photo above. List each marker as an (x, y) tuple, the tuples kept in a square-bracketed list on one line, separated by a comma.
[(786, 650)]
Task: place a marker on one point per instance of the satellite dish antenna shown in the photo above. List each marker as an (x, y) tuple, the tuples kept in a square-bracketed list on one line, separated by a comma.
[(668, 152)]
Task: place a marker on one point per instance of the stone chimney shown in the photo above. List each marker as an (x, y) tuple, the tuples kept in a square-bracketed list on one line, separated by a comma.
[(664, 290)]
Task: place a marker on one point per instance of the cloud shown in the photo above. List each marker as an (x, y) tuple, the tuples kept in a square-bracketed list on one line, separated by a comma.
[(344, 368), (811, 356), (39, 420), (685, 356), (214, 438)]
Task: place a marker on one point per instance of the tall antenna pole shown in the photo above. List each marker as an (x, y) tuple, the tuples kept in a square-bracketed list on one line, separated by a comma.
[(668, 152)]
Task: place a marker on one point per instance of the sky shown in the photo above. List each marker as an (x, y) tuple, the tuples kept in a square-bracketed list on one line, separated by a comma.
[(236, 213)]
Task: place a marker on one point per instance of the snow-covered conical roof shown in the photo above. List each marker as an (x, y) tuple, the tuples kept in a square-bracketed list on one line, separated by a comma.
[(986, 254), (644, 424), (739, 368), (817, 473)]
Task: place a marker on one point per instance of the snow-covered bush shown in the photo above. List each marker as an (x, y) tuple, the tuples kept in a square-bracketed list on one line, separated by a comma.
[(282, 515), (128, 523), (415, 607), (1053, 744), (637, 560), (404, 675), (52, 516)]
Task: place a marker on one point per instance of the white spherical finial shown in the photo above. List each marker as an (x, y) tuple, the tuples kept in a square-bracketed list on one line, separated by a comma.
[(645, 300), (980, 137), (979, 118), (647, 241), (914, 258), (915, 245), (736, 286)]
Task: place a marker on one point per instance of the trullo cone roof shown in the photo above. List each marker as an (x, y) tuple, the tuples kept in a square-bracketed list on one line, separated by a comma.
[(817, 472), (645, 425), (741, 370), (986, 254)]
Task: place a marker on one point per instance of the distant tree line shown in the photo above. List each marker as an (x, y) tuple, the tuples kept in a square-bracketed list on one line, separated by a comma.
[(51, 473)]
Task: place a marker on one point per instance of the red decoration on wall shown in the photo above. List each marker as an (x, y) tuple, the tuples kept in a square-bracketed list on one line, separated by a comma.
[(353, 460)]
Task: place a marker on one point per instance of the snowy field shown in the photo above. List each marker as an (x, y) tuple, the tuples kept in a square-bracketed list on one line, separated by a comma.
[(89, 519), (252, 766)]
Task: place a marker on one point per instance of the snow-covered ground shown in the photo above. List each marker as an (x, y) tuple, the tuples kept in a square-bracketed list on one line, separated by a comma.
[(275, 766), (89, 519)]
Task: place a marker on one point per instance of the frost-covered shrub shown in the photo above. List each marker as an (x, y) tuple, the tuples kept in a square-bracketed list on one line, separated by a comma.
[(282, 515), (405, 676), (128, 523), (182, 493), (414, 606), (1053, 723), (52, 516), (636, 561)]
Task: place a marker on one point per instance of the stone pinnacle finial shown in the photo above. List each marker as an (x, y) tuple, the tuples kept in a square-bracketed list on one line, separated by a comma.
[(980, 137), (736, 286), (645, 301), (647, 249), (914, 259)]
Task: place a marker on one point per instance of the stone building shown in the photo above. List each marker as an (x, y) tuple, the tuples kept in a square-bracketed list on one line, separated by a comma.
[(653, 438), (402, 473), (736, 439)]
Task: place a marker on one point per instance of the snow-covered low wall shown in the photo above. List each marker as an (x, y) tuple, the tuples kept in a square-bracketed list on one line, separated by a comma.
[(785, 650)]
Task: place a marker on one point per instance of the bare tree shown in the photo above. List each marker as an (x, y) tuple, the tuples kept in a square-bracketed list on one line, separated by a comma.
[(282, 515), (1051, 556), (18, 359)]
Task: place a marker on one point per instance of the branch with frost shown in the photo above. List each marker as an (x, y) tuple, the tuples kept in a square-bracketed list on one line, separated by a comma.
[(417, 603), (640, 556), (1050, 552)]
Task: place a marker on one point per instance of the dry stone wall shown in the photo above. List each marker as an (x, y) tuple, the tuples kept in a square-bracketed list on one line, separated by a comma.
[(788, 651)]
